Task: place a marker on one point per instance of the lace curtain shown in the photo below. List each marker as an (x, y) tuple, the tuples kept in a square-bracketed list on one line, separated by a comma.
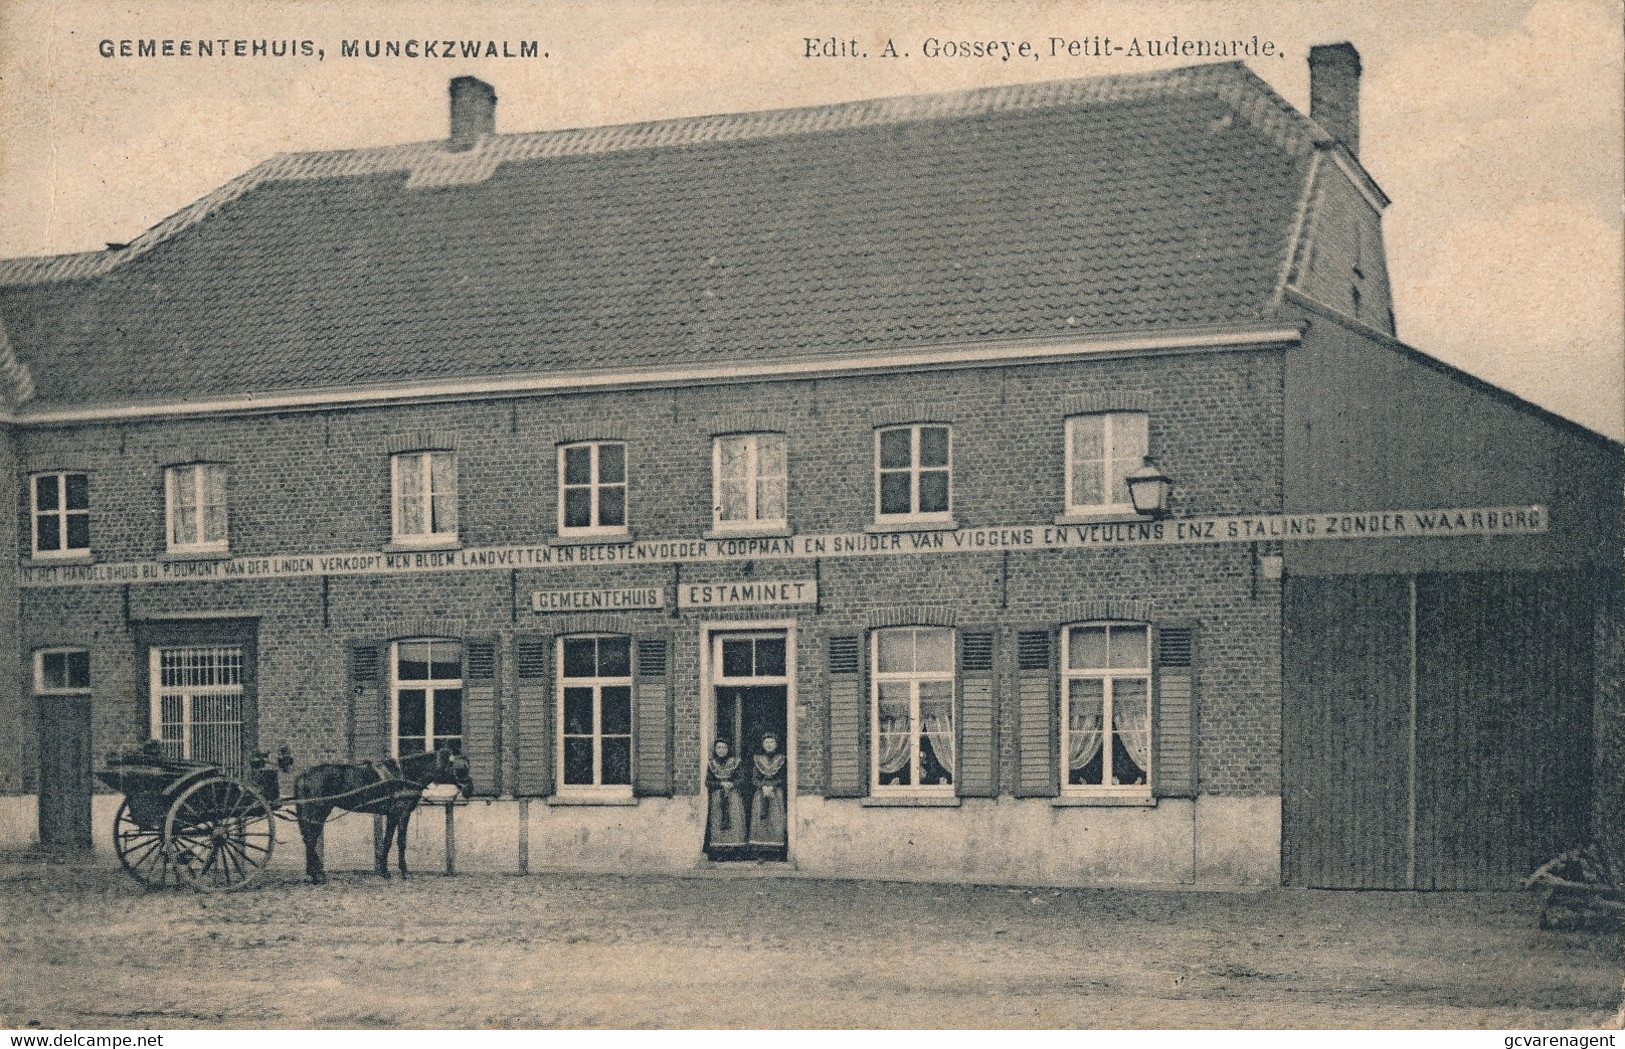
[(938, 730), (1131, 720), (1084, 734)]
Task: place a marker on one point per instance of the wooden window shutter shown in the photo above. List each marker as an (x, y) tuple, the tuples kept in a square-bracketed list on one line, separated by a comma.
[(1173, 755), (848, 716), (481, 745), (978, 773), (651, 718), (533, 706), (369, 701), (1037, 715)]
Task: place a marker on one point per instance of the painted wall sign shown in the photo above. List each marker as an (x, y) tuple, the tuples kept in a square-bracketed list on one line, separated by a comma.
[(1185, 531), (749, 592), (619, 600)]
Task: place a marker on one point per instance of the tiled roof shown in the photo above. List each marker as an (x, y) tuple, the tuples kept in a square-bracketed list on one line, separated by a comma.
[(1148, 202)]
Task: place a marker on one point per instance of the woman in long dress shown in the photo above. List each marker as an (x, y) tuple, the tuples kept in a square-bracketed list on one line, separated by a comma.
[(725, 815), (768, 776)]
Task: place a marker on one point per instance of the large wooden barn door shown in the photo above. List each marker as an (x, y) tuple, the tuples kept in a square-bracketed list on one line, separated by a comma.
[(1503, 725), (1345, 755), (1436, 729)]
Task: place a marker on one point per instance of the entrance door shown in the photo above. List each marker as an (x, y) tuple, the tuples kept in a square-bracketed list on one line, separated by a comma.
[(750, 705), (64, 771)]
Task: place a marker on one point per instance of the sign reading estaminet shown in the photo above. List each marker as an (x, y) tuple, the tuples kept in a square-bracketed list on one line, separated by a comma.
[(1188, 531)]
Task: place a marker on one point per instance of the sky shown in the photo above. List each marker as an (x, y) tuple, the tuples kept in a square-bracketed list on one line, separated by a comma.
[(1494, 125)]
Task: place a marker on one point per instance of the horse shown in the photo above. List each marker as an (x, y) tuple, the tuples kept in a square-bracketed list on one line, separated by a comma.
[(392, 787)]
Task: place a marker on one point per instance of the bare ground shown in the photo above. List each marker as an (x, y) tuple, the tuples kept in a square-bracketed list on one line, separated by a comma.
[(82, 946)]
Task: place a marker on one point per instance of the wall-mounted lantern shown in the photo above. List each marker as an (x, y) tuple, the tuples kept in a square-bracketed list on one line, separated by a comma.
[(1148, 490)]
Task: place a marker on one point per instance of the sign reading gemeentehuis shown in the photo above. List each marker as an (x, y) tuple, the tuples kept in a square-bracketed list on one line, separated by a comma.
[(1185, 531), (621, 599)]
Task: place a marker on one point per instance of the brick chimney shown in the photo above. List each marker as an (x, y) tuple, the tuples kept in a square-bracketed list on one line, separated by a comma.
[(473, 112), (1334, 92)]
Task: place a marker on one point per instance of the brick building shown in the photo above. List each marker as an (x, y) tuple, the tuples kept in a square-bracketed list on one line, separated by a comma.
[(582, 450)]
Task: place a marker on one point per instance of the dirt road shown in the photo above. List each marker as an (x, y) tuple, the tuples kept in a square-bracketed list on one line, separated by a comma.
[(82, 946)]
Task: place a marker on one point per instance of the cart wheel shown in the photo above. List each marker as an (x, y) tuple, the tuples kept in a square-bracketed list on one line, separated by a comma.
[(220, 834), (142, 850)]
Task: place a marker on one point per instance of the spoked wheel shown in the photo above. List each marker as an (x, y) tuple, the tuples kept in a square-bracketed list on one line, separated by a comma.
[(220, 834), (142, 850)]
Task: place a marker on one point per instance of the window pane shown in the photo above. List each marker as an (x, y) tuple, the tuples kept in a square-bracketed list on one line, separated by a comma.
[(214, 523), (78, 670), (578, 760), (79, 531), (1088, 437), (411, 704), (46, 492), (1130, 436), (577, 711), (770, 499), (409, 745), (442, 473), (615, 710), (894, 739), (934, 651), (408, 475), (412, 661), (894, 494), (580, 657), (1088, 483), (896, 651), (734, 501), (936, 732), (1087, 648), (577, 508), (54, 669), (1131, 721), (48, 531), (933, 491), (612, 507), (733, 457), (770, 657), (214, 484), (1128, 648), (445, 660), (933, 446), (1086, 699), (578, 464), (895, 448), (736, 658), (612, 463), (614, 657), (770, 455), (78, 491), (448, 712), (444, 519), (617, 761)]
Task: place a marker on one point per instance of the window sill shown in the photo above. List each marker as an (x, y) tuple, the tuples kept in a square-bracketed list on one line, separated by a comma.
[(172, 556), (910, 801), (395, 546), (1103, 516), (762, 532), (878, 527), (51, 561), (584, 800), (621, 535), (1101, 801)]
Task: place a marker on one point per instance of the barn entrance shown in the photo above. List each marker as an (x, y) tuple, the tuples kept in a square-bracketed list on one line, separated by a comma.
[(750, 715), (64, 771), (1436, 729)]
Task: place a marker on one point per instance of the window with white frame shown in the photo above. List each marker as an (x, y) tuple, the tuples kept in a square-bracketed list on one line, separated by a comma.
[(913, 473), (1101, 451), (61, 514), (60, 671), (197, 703), (913, 706), (427, 689), (196, 499), (748, 481), (424, 487), (595, 714), (592, 487), (1106, 717)]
